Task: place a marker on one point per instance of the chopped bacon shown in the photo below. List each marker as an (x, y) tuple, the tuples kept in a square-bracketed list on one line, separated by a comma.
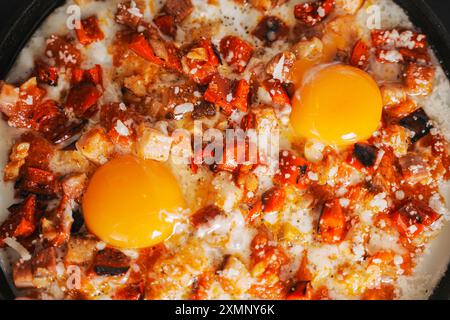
[(17, 158), (292, 170), (203, 109), (128, 15), (277, 92), (38, 181), (178, 9), (46, 74), (39, 272), (273, 199), (365, 154), (82, 98), (240, 96), (236, 52), (110, 262), (280, 66), (398, 39), (93, 75), (360, 55), (270, 29), (166, 24), (388, 56), (412, 218), (89, 31), (311, 13), (21, 222), (220, 93), (419, 80), (201, 62), (56, 224), (63, 51), (415, 168), (205, 214), (419, 123), (332, 223), (402, 109)]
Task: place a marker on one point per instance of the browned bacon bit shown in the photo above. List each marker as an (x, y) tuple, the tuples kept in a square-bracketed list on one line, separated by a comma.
[(132, 291), (301, 290), (419, 80), (402, 109), (39, 272), (166, 24), (128, 15), (220, 92), (292, 170), (205, 215), (398, 39), (365, 154), (277, 92), (419, 123), (89, 31), (17, 158), (21, 222), (200, 62), (56, 224), (279, 67), (81, 98), (80, 250), (63, 51), (360, 55), (273, 199), (65, 131), (414, 168), (110, 262), (46, 74), (332, 223), (311, 13), (204, 109), (271, 29), (38, 181), (412, 218), (178, 9), (236, 52)]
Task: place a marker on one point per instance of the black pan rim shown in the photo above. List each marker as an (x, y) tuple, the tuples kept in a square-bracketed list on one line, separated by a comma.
[(37, 11)]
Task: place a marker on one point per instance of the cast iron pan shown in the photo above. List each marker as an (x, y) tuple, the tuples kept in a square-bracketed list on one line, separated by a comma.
[(24, 23)]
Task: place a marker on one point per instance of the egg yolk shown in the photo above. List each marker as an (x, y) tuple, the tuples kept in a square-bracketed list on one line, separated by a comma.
[(126, 202), (337, 104)]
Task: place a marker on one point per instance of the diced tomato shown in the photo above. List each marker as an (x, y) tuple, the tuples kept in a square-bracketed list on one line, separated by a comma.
[(38, 181), (22, 220), (412, 218), (236, 52), (277, 92), (220, 93), (204, 215), (201, 62), (93, 75), (311, 13), (82, 98), (142, 48), (332, 223), (89, 31), (240, 96), (166, 24), (292, 170), (360, 55), (273, 199)]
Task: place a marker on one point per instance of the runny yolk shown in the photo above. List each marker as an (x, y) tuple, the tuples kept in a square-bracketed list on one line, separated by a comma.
[(126, 202), (337, 104)]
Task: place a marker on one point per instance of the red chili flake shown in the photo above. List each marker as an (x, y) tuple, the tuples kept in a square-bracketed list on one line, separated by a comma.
[(89, 31)]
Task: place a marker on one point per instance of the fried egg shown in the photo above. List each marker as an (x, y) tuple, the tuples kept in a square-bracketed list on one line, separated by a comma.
[(337, 104), (127, 202)]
